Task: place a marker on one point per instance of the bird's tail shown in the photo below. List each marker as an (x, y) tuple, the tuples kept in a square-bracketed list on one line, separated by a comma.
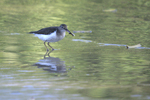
[(32, 32)]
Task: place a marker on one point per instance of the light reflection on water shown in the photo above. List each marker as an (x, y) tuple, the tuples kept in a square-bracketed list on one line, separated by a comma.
[(57, 77), (94, 64), (107, 44), (26, 92)]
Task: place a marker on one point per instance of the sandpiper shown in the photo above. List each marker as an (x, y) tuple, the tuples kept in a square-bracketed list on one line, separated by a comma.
[(51, 34)]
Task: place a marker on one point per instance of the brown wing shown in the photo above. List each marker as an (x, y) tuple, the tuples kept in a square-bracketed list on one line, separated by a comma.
[(45, 31)]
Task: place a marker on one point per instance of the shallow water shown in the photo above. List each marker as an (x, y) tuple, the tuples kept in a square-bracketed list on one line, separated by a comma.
[(93, 65)]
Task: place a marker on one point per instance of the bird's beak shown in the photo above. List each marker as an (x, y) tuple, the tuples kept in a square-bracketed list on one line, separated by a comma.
[(70, 32)]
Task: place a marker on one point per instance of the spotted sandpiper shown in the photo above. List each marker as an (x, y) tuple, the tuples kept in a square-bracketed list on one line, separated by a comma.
[(51, 34)]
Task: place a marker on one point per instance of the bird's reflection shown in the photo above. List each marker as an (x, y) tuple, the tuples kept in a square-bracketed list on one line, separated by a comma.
[(51, 64), (48, 53)]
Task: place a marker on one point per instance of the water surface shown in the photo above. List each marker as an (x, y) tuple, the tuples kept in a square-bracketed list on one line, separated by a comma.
[(93, 65)]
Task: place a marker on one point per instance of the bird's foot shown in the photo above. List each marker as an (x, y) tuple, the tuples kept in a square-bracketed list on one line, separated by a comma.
[(47, 50), (53, 49)]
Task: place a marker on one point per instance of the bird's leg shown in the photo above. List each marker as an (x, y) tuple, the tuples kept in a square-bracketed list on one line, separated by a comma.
[(50, 46), (46, 46), (50, 52)]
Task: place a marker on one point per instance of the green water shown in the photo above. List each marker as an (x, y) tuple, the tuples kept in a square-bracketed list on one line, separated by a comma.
[(93, 65)]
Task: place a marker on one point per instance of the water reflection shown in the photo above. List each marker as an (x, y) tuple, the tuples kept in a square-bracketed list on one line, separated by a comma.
[(104, 68), (51, 64), (138, 46), (48, 53)]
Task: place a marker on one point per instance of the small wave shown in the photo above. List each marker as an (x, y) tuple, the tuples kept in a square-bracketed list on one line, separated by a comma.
[(81, 40)]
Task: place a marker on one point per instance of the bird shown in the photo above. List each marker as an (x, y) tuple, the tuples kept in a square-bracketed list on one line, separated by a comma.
[(51, 34)]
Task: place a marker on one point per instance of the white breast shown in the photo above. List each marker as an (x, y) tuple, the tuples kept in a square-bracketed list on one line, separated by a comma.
[(50, 38)]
